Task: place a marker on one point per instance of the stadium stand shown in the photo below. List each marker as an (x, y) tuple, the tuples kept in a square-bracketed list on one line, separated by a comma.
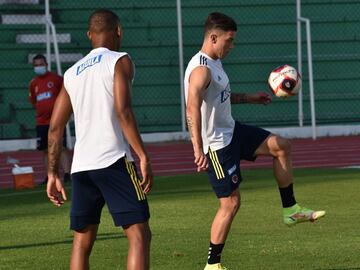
[(265, 40)]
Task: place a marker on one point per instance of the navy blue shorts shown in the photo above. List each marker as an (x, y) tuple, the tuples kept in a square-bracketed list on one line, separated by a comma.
[(42, 137), (224, 164), (118, 186)]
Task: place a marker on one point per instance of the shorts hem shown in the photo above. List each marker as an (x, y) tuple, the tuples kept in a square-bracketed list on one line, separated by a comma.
[(227, 193), (130, 218), (81, 222)]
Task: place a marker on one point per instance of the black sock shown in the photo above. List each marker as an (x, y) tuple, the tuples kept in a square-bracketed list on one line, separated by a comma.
[(287, 196), (215, 253)]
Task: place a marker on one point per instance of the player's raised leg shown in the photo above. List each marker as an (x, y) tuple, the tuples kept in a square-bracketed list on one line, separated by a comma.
[(82, 246), (280, 149)]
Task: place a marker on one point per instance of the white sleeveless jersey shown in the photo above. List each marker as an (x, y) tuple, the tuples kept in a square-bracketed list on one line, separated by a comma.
[(99, 138), (216, 120)]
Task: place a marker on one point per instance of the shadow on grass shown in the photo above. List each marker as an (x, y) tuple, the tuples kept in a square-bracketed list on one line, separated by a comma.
[(100, 237)]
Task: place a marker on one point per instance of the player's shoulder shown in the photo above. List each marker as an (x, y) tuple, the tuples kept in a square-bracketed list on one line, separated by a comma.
[(116, 53), (74, 66), (199, 59), (124, 60), (124, 57)]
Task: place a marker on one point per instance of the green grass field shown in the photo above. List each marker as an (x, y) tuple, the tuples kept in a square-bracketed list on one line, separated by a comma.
[(35, 235)]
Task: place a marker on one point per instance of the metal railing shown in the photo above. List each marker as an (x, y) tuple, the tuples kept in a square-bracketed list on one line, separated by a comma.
[(50, 26), (299, 20)]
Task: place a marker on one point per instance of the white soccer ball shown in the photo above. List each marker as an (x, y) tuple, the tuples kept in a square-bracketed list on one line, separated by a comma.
[(284, 81)]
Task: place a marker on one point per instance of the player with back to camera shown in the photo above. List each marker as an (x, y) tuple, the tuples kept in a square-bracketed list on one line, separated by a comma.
[(43, 91), (98, 90), (220, 143)]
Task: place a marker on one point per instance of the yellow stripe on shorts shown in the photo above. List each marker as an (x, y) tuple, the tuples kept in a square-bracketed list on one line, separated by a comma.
[(131, 170), (216, 164), (137, 182)]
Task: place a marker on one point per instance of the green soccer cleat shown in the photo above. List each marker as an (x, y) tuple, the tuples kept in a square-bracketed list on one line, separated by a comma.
[(297, 214), (216, 266)]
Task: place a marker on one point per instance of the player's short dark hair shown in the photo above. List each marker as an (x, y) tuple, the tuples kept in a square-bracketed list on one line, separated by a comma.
[(103, 20), (217, 20), (39, 56)]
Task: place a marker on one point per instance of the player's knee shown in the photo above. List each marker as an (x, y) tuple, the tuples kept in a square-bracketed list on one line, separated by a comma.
[(237, 206), (83, 244), (284, 146), (232, 206), (236, 202), (148, 235), (235, 209), (139, 235)]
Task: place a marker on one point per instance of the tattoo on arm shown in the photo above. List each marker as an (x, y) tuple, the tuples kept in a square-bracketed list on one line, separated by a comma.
[(54, 152), (190, 125), (237, 98)]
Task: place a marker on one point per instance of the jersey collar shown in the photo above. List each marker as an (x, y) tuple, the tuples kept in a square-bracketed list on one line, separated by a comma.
[(100, 49)]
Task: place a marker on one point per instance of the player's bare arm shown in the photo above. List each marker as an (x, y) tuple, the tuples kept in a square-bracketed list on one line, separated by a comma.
[(256, 98), (238, 98), (124, 74), (60, 116), (198, 82)]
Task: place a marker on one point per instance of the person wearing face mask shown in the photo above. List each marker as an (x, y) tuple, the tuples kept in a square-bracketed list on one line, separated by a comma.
[(43, 90)]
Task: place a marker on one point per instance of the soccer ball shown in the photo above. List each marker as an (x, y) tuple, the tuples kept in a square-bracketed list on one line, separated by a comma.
[(284, 81)]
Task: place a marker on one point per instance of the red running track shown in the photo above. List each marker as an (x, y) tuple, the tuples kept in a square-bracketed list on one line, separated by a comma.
[(177, 158)]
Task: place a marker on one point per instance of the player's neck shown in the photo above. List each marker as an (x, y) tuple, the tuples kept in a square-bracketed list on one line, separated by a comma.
[(104, 42), (111, 48), (209, 52)]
